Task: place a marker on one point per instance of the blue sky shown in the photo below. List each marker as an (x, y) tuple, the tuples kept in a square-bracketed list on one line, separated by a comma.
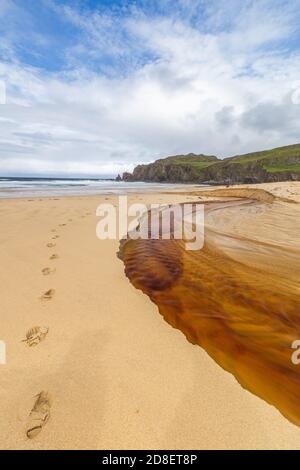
[(96, 87)]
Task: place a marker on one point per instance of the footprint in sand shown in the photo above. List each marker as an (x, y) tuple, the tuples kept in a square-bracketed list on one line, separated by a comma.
[(53, 230), (39, 415), (62, 225), (35, 335), (54, 256), (47, 271), (55, 237), (48, 294), (50, 245)]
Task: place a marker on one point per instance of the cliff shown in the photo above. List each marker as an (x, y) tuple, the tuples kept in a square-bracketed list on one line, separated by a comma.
[(279, 164)]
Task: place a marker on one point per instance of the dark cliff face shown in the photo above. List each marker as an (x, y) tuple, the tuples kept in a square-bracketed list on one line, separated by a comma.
[(237, 173), (165, 173), (180, 168), (280, 164)]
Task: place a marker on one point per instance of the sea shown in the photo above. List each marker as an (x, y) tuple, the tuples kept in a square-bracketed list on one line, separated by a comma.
[(14, 187)]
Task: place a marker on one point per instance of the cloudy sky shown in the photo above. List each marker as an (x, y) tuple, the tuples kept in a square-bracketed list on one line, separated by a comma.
[(95, 87)]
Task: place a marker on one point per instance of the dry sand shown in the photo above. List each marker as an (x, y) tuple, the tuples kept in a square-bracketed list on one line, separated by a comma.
[(118, 375)]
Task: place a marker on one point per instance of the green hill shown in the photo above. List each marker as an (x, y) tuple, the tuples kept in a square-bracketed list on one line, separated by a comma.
[(279, 164), (178, 168)]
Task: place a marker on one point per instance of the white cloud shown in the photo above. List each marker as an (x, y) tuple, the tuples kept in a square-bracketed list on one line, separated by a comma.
[(208, 86)]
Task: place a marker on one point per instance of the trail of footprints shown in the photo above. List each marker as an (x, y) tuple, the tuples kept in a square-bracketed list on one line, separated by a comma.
[(40, 412)]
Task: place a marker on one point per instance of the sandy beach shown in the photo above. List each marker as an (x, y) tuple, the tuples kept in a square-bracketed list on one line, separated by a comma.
[(118, 375)]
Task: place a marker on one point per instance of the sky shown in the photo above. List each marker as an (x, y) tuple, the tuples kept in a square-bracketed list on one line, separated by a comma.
[(93, 88)]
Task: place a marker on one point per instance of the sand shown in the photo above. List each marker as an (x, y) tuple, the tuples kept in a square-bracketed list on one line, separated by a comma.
[(118, 375)]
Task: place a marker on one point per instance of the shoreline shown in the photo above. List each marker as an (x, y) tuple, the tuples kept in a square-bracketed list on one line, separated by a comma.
[(109, 359), (86, 190)]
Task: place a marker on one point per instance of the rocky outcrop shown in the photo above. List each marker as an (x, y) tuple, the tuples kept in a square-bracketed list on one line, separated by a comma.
[(280, 164), (180, 168)]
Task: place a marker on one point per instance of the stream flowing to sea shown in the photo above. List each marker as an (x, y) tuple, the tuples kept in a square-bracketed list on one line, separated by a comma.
[(239, 296)]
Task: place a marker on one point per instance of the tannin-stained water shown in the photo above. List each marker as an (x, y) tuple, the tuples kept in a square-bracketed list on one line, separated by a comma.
[(238, 297)]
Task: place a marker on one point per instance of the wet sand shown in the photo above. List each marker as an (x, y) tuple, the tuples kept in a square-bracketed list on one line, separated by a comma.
[(119, 376)]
